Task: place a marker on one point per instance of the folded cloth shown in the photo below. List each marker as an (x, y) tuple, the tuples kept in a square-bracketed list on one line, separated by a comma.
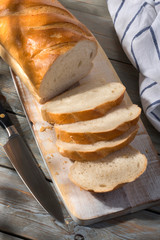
[(137, 23)]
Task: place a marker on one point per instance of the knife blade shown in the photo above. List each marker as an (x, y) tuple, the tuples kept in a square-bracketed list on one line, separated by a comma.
[(27, 168)]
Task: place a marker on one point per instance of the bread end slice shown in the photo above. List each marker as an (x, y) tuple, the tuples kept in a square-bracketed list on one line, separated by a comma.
[(109, 173)]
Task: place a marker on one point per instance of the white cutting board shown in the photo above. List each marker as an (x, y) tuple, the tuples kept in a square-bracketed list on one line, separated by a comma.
[(86, 207)]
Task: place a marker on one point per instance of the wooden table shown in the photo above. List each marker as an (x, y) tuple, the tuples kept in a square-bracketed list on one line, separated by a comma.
[(21, 217)]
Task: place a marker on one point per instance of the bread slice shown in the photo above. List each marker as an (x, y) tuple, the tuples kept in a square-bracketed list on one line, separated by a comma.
[(118, 120), (109, 173), (88, 101), (90, 152)]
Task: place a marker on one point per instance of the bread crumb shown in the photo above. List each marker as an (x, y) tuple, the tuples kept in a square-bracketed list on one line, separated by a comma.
[(50, 140), (57, 173), (67, 222), (2, 115), (42, 129)]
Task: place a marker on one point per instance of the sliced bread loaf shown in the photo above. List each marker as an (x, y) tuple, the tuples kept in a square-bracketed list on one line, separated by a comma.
[(88, 101), (45, 45), (118, 120), (98, 150), (109, 173)]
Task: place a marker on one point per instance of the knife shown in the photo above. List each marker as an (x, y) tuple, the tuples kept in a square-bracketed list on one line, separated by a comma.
[(26, 166)]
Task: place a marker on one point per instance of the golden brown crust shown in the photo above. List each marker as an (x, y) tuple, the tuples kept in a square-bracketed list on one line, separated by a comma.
[(65, 118), (35, 36), (89, 137), (95, 155)]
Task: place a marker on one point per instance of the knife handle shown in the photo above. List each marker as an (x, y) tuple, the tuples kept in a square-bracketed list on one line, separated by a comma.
[(5, 121)]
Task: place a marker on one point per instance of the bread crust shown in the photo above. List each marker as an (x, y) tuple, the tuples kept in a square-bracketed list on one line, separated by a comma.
[(99, 153), (66, 118), (30, 30), (92, 137)]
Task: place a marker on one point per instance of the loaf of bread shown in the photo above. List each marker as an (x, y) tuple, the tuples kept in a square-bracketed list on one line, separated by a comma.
[(95, 151), (109, 173), (116, 121), (88, 101), (45, 45)]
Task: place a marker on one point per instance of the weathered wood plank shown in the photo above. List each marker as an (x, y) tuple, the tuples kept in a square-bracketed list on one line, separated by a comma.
[(20, 214), (92, 2), (8, 95), (129, 77), (18, 206), (112, 48), (97, 24), (140, 226), (5, 236), (96, 10)]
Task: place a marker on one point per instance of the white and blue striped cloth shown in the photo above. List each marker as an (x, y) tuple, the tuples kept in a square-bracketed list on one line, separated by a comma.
[(137, 23)]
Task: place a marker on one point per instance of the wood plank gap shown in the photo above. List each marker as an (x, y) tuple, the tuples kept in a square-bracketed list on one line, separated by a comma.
[(49, 180), (75, 10), (13, 169), (15, 235), (7, 167), (87, 4), (93, 14), (152, 211), (101, 34), (18, 114), (115, 60), (94, 4)]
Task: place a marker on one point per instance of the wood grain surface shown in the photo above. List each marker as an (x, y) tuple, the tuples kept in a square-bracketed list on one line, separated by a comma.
[(22, 217)]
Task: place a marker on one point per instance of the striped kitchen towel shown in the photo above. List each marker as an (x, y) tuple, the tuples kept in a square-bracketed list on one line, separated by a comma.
[(137, 23)]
